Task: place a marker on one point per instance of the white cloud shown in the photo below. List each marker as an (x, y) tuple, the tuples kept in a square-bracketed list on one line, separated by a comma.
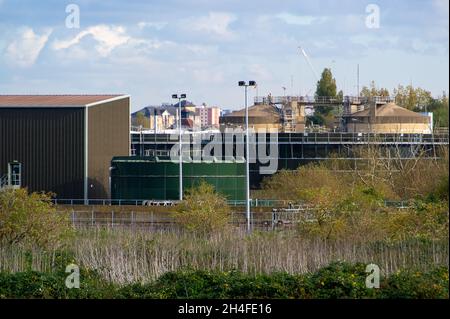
[(25, 49), (108, 38), (215, 23), (154, 25), (301, 20)]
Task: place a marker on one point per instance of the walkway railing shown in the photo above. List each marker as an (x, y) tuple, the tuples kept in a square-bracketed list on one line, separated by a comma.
[(275, 203), (308, 138)]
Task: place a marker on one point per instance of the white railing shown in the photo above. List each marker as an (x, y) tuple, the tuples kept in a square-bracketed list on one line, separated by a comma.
[(334, 100)]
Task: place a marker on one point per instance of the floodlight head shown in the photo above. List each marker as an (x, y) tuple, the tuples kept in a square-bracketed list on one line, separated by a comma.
[(183, 96), (252, 83), (174, 96), (241, 83)]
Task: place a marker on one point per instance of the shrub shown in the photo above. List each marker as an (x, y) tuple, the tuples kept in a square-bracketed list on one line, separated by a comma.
[(31, 219), (338, 280), (409, 284), (203, 210)]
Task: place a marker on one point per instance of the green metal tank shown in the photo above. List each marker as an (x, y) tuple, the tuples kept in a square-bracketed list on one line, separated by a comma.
[(155, 178)]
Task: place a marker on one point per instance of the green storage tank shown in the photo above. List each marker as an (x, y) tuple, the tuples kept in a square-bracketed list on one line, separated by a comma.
[(156, 178)]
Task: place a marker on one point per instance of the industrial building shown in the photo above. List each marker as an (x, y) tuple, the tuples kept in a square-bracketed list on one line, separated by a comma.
[(64, 143), (295, 149), (388, 118), (154, 178), (280, 115)]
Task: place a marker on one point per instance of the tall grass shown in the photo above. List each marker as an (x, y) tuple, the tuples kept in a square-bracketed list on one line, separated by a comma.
[(124, 255)]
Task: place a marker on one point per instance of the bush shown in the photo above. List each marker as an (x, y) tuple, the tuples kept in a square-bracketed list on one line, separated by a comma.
[(341, 280), (203, 211), (411, 284), (31, 219), (38, 285), (338, 280)]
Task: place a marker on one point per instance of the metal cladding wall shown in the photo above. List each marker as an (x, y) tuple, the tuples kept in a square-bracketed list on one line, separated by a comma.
[(108, 131), (147, 178), (49, 142)]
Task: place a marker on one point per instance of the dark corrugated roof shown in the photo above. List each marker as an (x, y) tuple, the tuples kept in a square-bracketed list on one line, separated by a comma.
[(53, 100)]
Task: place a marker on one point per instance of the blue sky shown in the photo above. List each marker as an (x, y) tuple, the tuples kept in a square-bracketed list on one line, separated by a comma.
[(151, 49)]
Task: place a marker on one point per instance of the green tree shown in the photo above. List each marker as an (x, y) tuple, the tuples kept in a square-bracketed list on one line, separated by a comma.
[(326, 87), (372, 91), (203, 210), (140, 119), (31, 219), (439, 107), (414, 99)]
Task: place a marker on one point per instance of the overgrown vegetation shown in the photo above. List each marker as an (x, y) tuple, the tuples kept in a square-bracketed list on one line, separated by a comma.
[(348, 221), (203, 210), (338, 280), (31, 219), (348, 198)]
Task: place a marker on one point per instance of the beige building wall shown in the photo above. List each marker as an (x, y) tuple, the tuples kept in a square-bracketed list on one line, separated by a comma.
[(412, 128)]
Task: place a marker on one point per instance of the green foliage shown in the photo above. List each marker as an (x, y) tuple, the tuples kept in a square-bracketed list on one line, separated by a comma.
[(203, 210), (373, 91), (351, 205), (326, 86), (409, 284), (439, 107), (412, 98), (337, 280), (39, 285), (341, 280), (31, 219), (140, 119)]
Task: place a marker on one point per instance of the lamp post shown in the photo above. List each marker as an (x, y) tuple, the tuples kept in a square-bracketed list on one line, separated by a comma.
[(180, 157), (247, 154)]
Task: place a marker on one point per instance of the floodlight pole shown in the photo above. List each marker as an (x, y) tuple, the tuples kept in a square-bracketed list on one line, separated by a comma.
[(180, 156), (247, 156)]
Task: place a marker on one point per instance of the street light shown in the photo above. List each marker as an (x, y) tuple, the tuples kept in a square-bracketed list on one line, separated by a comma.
[(247, 153), (180, 157)]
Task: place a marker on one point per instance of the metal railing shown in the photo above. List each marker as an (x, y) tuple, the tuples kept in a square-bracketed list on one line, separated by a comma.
[(323, 137), (271, 203), (147, 202), (4, 181), (332, 100)]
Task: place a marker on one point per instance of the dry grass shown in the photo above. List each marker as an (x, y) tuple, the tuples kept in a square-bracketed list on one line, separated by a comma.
[(126, 255)]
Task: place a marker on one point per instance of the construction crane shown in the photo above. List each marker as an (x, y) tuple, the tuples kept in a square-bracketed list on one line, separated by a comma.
[(302, 51)]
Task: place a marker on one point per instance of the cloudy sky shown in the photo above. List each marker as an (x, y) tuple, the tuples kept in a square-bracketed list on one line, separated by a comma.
[(151, 49)]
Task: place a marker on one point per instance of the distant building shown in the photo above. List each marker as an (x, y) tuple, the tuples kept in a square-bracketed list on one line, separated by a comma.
[(164, 117), (209, 116)]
